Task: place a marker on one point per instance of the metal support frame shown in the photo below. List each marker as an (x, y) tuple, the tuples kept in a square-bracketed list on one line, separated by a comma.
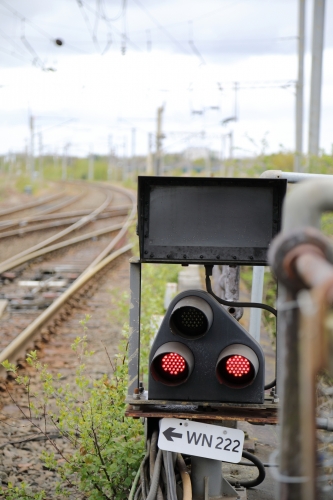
[(256, 296), (208, 482), (226, 286), (134, 323)]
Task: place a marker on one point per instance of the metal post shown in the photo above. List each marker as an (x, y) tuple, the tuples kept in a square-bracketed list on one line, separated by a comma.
[(222, 164), (202, 468), (32, 157), (109, 173), (208, 482), (41, 156), (64, 163), (208, 163), (133, 163), (316, 75), (228, 287), (236, 101), (159, 137), (149, 165), (134, 324), (91, 165), (256, 296), (124, 162), (299, 87)]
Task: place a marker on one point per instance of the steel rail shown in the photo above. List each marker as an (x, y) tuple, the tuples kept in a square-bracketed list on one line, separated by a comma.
[(32, 204), (83, 221), (64, 215), (63, 244), (14, 349), (22, 341), (15, 222), (58, 223)]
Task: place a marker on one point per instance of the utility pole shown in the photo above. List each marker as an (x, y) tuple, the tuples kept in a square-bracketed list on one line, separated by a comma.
[(64, 162), (222, 162), (316, 75), (149, 165), (231, 152), (41, 173), (236, 101), (133, 163), (208, 163), (91, 165), (159, 137), (26, 156), (109, 173), (32, 158), (300, 87), (125, 166)]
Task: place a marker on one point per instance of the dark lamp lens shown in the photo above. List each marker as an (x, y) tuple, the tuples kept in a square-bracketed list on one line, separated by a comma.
[(238, 366), (173, 364)]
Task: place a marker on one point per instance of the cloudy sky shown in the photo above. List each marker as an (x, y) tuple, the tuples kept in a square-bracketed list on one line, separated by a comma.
[(91, 71)]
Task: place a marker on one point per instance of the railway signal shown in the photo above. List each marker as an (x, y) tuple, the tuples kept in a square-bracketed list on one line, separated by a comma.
[(201, 353)]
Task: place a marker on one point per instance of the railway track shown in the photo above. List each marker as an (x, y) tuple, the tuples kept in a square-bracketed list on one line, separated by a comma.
[(49, 291), (67, 262)]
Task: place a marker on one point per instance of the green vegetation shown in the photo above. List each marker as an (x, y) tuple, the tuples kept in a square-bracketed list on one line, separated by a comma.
[(90, 414)]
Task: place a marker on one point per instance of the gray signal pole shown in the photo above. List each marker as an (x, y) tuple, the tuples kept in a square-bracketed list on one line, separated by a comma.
[(300, 87), (159, 137), (316, 75)]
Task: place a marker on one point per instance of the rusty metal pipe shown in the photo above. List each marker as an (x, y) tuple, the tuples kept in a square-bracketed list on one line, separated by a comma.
[(313, 269), (301, 260), (306, 203)]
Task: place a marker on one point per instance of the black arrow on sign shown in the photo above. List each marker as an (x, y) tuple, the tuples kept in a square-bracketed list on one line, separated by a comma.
[(169, 434)]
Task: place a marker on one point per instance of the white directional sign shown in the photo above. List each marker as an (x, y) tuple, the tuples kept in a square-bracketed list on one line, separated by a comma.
[(201, 440)]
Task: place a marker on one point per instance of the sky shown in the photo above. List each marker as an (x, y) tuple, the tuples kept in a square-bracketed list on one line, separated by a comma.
[(92, 74)]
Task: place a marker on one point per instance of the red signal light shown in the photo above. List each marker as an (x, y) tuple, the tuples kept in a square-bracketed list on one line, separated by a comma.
[(173, 363), (238, 366)]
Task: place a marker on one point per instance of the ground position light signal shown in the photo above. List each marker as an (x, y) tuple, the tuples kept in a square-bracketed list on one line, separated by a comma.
[(201, 353)]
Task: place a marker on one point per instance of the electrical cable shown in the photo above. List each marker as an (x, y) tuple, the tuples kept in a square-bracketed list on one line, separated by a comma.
[(187, 486), (152, 461), (270, 385), (134, 485), (144, 485), (137, 494), (252, 482), (257, 305), (156, 476), (170, 474)]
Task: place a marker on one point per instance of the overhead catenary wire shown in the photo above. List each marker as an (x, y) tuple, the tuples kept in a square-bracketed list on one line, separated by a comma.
[(161, 27), (86, 20), (108, 22)]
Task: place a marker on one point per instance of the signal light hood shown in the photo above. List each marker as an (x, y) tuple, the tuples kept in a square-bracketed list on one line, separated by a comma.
[(172, 364), (191, 317), (237, 366)]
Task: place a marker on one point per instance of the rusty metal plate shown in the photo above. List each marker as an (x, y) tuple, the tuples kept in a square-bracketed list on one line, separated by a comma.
[(267, 414)]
